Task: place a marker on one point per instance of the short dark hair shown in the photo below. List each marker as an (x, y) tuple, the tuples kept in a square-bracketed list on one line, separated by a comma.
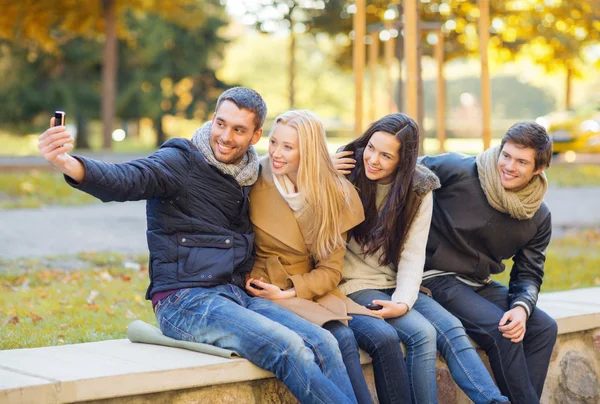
[(532, 135), (246, 98)]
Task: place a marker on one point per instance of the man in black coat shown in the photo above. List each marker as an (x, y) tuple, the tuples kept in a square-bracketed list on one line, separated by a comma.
[(490, 208), (201, 245)]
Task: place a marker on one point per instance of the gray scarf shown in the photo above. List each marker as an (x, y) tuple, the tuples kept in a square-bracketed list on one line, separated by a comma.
[(245, 172)]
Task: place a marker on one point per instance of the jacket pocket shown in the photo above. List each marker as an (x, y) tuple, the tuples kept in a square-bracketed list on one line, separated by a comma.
[(204, 258)]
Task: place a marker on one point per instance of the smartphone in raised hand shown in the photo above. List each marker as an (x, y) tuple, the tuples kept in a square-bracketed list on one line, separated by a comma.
[(60, 118)]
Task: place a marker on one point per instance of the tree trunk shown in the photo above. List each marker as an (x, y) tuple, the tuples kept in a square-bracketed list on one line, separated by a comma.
[(292, 72), (569, 79), (400, 86), (82, 141), (109, 73), (161, 137), (420, 99)]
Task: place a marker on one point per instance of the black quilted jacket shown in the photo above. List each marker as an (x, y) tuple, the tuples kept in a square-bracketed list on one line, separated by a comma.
[(199, 231)]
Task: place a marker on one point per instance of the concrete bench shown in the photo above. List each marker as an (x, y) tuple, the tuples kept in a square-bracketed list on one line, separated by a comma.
[(119, 371)]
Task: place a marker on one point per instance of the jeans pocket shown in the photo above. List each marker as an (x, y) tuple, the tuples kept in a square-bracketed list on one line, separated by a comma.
[(172, 331)]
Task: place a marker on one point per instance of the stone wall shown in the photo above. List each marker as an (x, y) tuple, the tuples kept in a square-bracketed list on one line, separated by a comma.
[(572, 378)]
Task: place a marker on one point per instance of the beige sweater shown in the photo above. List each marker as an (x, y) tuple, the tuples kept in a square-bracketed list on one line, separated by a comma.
[(361, 272)]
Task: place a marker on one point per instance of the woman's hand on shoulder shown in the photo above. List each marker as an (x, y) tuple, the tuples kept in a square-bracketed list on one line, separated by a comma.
[(259, 288), (342, 162), (390, 309)]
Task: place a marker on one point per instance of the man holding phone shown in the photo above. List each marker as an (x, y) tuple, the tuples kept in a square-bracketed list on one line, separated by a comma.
[(201, 245)]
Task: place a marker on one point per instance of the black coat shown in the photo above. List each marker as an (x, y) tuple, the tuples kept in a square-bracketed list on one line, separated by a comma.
[(469, 237), (199, 231)]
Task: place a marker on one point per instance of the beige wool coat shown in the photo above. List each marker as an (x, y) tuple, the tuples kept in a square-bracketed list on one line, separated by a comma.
[(283, 257)]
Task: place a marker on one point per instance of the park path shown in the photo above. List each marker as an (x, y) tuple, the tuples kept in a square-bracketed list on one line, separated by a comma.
[(120, 227)]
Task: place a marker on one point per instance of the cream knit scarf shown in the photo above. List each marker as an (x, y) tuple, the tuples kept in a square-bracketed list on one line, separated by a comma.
[(521, 204), (245, 173)]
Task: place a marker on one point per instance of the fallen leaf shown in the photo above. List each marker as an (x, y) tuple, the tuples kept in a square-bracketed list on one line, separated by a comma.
[(129, 314), (93, 307), (125, 278), (35, 317), (43, 294), (106, 276), (13, 320), (61, 326)]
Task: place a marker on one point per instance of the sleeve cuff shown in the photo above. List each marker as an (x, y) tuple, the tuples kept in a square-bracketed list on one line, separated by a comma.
[(300, 286)]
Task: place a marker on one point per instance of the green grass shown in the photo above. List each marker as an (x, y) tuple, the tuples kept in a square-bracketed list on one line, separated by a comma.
[(573, 175), (572, 262), (35, 189), (44, 304)]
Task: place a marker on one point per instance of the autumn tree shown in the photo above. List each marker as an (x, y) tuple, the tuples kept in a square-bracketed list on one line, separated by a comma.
[(42, 24), (170, 69)]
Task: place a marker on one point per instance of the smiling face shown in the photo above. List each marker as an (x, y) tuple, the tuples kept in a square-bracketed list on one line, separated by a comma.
[(284, 151), (232, 132), (516, 166), (381, 157)]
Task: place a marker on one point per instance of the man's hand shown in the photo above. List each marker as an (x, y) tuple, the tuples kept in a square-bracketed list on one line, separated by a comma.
[(390, 309), (342, 162), (267, 290), (513, 324), (54, 144)]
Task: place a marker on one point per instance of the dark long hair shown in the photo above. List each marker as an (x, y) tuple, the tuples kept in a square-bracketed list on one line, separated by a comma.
[(385, 229)]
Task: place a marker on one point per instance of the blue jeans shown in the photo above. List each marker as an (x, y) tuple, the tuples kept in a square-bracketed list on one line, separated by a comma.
[(519, 368), (381, 342), (351, 358), (423, 330), (303, 356)]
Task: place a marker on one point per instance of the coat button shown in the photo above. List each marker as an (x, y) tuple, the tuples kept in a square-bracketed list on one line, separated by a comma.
[(227, 241), (183, 240)]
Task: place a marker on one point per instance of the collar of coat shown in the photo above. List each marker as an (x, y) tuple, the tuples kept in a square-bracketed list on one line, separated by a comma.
[(271, 213), (424, 180)]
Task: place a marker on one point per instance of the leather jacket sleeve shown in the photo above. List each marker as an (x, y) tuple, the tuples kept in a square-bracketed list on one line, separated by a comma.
[(528, 268)]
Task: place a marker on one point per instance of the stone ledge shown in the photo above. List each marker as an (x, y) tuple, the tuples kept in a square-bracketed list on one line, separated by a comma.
[(119, 368)]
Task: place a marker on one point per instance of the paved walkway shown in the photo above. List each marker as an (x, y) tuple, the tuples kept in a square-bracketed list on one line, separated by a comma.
[(120, 227)]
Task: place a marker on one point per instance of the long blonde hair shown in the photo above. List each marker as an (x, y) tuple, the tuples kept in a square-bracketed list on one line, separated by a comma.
[(326, 193)]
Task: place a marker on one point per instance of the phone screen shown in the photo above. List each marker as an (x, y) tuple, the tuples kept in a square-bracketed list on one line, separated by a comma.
[(59, 118)]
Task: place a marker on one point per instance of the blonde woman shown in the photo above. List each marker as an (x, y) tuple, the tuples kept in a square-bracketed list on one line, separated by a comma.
[(301, 210)]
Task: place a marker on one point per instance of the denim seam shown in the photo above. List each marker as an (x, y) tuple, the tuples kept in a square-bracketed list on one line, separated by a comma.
[(163, 320), (408, 346), (497, 349), (462, 366), (372, 341)]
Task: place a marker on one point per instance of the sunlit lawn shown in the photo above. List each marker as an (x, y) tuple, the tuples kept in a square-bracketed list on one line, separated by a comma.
[(44, 304), (571, 262)]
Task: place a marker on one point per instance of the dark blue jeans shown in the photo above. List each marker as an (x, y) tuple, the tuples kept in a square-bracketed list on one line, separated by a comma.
[(351, 357), (519, 368), (304, 356), (425, 328), (380, 340)]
